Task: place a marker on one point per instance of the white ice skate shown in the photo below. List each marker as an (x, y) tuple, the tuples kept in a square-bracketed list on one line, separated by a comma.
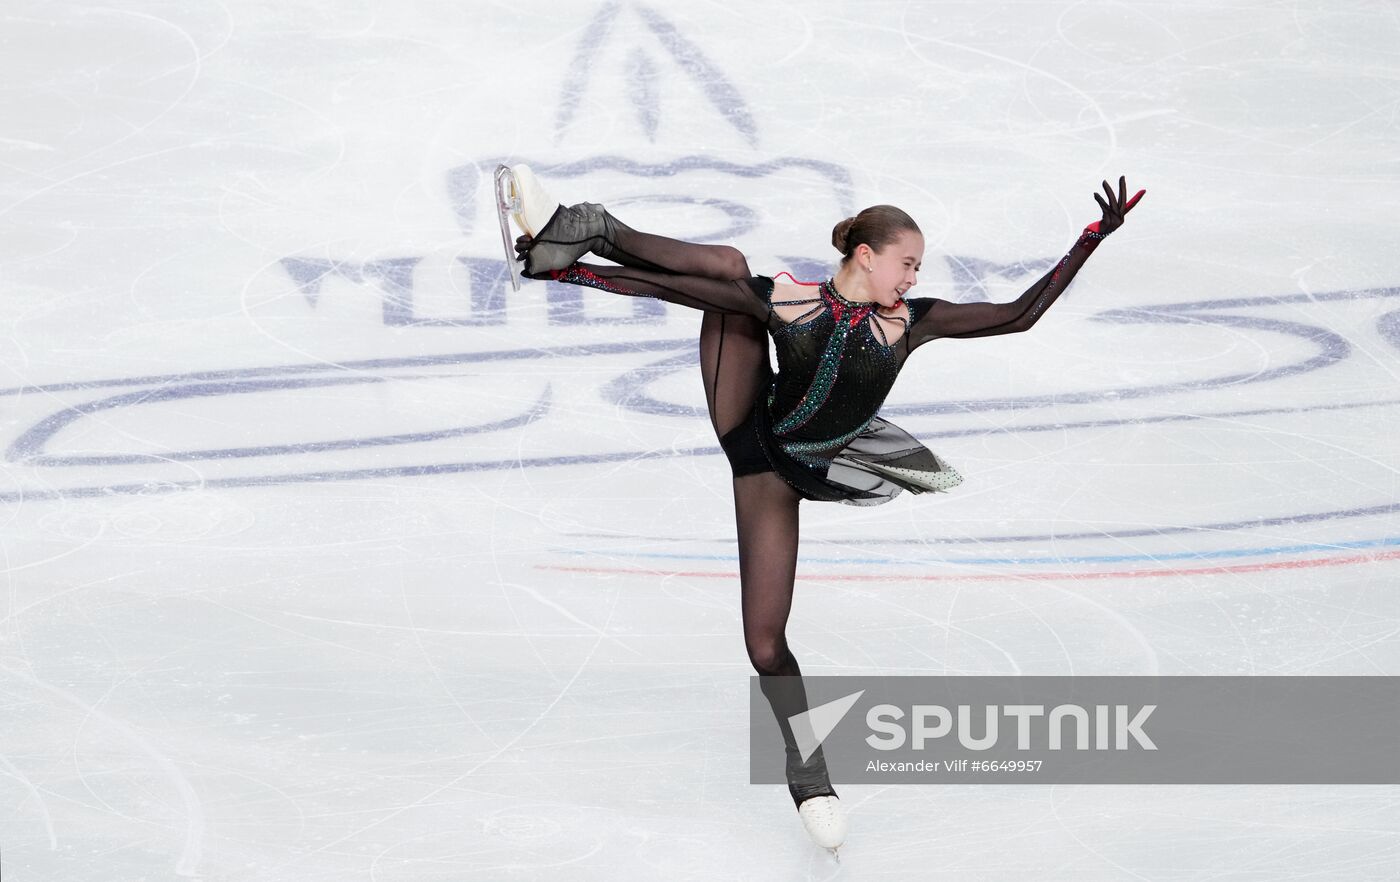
[(825, 821), (536, 205), (521, 197)]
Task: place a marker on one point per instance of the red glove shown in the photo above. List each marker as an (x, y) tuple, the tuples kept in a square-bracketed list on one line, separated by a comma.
[(1114, 209)]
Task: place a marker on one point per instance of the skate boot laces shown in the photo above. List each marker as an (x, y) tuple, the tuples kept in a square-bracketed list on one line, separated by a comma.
[(824, 820)]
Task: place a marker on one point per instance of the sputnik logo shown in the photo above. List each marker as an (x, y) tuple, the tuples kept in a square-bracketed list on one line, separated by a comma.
[(811, 727)]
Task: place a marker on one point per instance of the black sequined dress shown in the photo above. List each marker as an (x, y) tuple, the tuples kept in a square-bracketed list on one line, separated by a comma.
[(818, 424)]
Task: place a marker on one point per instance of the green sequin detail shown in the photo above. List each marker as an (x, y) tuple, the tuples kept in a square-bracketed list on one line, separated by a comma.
[(822, 382), (845, 315), (805, 451)]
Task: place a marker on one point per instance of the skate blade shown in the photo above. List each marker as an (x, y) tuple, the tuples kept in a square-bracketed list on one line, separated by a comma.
[(508, 204)]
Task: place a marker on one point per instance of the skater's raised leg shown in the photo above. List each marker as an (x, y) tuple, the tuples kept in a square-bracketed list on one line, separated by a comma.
[(557, 235), (696, 292)]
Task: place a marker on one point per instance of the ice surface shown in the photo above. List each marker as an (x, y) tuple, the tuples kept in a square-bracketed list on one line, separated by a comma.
[(326, 558)]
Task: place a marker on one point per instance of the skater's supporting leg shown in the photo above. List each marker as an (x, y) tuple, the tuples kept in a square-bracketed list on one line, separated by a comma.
[(765, 509)]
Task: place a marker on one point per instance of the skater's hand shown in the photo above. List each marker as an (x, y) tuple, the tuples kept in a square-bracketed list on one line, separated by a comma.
[(1114, 209), (523, 244)]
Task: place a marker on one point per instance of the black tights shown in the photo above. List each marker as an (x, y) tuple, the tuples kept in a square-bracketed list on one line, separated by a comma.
[(735, 368)]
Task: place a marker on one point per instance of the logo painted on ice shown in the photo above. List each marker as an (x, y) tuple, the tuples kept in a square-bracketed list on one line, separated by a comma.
[(684, 182)]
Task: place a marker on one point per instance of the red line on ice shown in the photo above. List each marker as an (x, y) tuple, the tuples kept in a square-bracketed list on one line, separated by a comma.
[(1013, 577)]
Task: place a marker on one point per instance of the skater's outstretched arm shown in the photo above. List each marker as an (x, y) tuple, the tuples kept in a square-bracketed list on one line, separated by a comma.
[(940, 318), (946, 319)]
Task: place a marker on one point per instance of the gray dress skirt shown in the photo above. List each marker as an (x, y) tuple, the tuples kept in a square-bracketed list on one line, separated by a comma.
[(872, 468)]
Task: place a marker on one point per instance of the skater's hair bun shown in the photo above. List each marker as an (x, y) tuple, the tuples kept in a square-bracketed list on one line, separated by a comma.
[(876, 226), (841, 232)]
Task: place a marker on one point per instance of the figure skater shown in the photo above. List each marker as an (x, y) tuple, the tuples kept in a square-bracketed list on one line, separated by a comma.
[(811, 431)]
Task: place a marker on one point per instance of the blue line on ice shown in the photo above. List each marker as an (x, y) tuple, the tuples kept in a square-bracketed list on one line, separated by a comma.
[(1307, 548)]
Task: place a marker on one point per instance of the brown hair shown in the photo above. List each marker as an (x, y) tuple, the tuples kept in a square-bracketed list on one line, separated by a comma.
[(876, 226)]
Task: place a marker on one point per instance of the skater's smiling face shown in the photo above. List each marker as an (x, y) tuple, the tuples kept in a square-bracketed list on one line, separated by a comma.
[(891, 271), (881, 253)]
